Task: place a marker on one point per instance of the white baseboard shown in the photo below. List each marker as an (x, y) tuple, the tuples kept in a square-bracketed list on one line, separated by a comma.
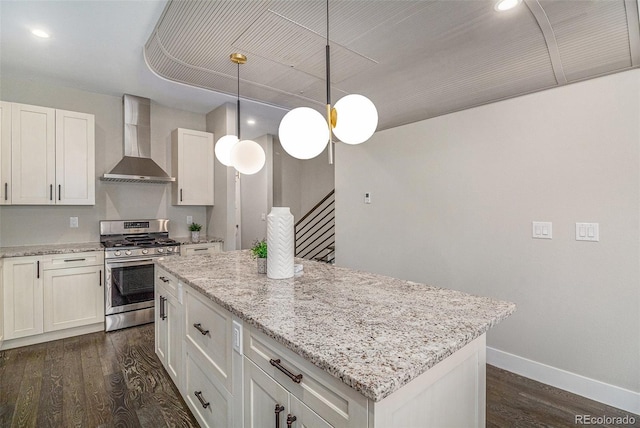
[(611, 395)]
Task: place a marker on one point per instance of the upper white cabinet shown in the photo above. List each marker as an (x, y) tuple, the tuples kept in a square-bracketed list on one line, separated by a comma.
[(5, 153), (33, 155), (47, 156), (75, 158), (192, 160)]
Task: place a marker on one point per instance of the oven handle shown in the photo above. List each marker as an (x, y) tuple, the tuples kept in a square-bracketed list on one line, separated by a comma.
[(139, 262)]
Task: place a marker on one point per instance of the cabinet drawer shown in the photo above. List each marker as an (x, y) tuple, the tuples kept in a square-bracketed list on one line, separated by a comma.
[(166, 281), (337, 403), (209, 248), (61, 261), (211, 404), (208, 329)]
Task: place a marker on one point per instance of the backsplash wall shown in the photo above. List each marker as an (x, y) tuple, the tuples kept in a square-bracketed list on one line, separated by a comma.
[(26, 225)]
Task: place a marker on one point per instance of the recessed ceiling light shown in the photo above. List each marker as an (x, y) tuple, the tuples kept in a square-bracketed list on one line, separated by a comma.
[(40, 33), (503, 5), (251, 122)]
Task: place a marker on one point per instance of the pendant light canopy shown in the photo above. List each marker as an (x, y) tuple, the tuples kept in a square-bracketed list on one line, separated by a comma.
[(246, 156), (353, 120)]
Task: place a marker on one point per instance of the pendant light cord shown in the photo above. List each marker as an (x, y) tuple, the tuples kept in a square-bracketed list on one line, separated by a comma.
[(238, 105), (328, 60)]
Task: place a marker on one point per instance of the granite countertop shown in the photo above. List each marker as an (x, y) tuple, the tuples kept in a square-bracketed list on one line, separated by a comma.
[(374, 333), (44, 249), (184, 240)]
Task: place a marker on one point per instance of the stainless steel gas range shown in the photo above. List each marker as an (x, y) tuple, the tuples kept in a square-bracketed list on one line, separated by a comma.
[(130, 247)]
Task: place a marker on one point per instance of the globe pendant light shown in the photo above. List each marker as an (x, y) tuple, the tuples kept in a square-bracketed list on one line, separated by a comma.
[(246, 156), (353, 120)]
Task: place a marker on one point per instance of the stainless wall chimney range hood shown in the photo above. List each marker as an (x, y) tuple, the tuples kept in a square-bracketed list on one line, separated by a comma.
[(137, 166)]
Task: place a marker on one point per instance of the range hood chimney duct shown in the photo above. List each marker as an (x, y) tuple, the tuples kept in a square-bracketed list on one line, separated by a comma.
[(137, 166)]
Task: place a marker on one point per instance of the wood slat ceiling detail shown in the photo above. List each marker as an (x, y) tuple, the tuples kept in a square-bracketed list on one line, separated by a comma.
[(413, 59)]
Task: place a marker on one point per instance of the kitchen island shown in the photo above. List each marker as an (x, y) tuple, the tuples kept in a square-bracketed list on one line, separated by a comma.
[(377, 350)]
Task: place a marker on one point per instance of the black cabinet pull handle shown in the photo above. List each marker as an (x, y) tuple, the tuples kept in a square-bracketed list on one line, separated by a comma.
[(38, 269), (276, 363), (51, 192), (163, 310), (290, 420), (163, 279), (100, 278), (180, 195), (59, 191), (198, 327), (204, 403), (279, 409), (200, 249), (6, 191), (74, 260)]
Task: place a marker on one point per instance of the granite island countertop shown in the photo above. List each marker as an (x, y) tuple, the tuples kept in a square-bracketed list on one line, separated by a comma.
[(374, 333), (45, 249)]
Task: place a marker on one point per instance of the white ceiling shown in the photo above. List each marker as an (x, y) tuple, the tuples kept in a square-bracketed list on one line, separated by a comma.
[(414, 59)]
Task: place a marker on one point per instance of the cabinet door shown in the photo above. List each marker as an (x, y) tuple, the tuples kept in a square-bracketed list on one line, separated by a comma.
[(32, 155), (5, 153), (261, 395), (305, 417), (194, 157), (169, 333), (73, 297), (210, 402), (75, 158), (1, 306), (22, 280)]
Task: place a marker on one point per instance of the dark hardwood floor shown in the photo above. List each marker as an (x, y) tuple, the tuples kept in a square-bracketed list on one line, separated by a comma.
[(116, 380)]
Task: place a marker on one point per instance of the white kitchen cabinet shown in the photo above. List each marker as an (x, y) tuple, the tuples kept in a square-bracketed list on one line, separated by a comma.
[(75, 158), (51, 297), (50, 156), (1, 305), (23, 297), (192, 160), (73, 297), (33, 154), (261, 396), (204, 248), (305, 417), (168, 325), (5, 153)]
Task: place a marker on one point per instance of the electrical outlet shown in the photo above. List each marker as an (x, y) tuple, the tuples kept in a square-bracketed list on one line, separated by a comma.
[(73, 221), (189, 219)]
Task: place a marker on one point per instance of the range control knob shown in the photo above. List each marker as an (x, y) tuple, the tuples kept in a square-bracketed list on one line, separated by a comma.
[(128, 252), (169, 250), (160, 250), (145, 251), (117, 253)]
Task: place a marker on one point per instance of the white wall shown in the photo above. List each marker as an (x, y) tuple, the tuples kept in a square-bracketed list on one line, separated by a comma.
[(256, 191), (23, 225), (454, 198)]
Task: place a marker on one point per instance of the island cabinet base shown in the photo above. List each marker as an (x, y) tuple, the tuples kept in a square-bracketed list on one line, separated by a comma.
[(450, 394), (231, 374)]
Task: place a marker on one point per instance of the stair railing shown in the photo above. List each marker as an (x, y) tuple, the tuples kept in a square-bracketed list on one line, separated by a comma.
[(315, 231)]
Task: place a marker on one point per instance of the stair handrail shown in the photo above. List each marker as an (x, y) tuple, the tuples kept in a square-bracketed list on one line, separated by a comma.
[(314, 208)]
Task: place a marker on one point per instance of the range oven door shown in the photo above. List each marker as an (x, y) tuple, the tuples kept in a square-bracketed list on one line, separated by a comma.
[(129, 285)]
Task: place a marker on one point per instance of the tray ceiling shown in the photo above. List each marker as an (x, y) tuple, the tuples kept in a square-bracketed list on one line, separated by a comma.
[(413, 59)]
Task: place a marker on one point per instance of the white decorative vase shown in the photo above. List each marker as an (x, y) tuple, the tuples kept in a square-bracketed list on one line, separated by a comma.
[(280, 243), (195, 235)]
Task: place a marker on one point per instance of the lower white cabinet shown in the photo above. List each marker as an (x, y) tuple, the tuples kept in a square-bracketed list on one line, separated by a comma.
[(210, 402), (204, 248), (50, 294), (23, 297), (73, 297), (265, 399), (168, 325)]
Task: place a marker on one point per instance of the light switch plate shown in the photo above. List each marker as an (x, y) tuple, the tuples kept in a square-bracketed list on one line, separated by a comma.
[(367, 197), (73, 221), (542, 230), (588, 232)]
